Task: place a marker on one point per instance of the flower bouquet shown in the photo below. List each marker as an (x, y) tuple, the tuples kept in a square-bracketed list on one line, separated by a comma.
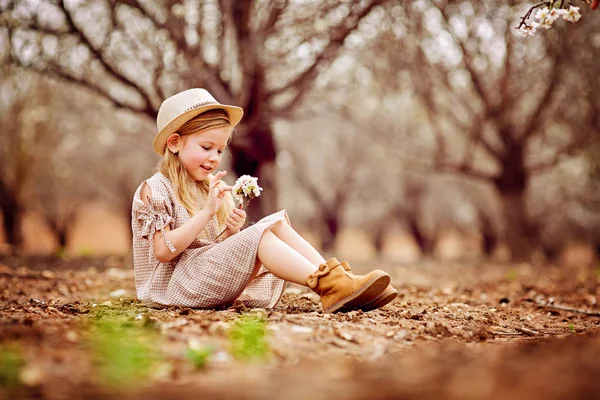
[(244, 190)]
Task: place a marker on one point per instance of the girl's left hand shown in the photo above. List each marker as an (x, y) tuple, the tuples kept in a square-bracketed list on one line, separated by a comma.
[(236, 220)]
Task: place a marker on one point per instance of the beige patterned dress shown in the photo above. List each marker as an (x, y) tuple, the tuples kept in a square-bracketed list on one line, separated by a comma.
[(207, 274)]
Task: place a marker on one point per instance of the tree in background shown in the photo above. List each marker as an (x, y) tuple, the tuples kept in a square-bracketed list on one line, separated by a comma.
[(262, 56), (16, 137), (420, 80), (55, 163), (502, 109)]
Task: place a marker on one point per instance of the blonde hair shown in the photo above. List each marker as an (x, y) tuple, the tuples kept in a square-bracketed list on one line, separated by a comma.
[(187, 189)]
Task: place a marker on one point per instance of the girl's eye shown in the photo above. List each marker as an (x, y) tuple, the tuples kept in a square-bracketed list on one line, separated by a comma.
[(206, 148), (220, 151)]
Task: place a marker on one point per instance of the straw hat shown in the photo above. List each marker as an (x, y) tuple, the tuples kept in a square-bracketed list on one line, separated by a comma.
[(180, 108)]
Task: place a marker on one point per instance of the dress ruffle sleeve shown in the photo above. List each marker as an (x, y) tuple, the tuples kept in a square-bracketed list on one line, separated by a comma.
[(153, 217)]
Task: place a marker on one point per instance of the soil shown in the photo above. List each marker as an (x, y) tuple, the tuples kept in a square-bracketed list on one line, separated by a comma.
[(456, 331)]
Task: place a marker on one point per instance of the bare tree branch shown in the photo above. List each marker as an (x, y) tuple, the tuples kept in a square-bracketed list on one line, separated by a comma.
[(269, 25), (463, 169), (568, 149), (337, 36), (530, 127), (475, 77), (148, 107), (56, 72)]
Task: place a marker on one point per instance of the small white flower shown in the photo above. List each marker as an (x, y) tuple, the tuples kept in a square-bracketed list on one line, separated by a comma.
[(527, 30), (542, 14), (546, 24), (572, 15), (555, 14)]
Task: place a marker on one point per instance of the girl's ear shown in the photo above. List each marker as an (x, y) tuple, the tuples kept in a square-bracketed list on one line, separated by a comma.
[(173, 143)]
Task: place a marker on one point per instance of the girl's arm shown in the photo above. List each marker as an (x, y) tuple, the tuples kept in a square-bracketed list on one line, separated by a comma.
[(183, 236)]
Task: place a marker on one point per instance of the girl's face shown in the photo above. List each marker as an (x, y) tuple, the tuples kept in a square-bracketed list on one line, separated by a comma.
[(201, 152)]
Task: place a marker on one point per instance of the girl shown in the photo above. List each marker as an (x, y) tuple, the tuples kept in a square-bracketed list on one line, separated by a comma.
[(179, 257)]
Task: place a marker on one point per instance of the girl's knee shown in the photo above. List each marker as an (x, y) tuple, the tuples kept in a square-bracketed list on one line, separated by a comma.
[(278, 225), (267, 236)]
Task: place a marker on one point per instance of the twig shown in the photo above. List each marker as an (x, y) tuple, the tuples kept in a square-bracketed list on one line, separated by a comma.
[(571, 309), (526, 16), (528, 332), (505, 333)]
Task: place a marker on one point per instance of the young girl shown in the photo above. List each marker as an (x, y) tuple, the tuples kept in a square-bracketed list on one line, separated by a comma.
[(178, 213)]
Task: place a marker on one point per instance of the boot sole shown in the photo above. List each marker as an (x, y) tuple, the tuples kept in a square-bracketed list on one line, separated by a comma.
[(380, 301), (385, 298), (373, 288)]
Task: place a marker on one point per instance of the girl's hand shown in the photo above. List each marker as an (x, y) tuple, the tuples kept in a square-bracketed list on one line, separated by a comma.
[(236, 220), (216, 192)]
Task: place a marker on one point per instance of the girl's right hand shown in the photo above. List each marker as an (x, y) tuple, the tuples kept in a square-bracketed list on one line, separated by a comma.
[(216, 192)]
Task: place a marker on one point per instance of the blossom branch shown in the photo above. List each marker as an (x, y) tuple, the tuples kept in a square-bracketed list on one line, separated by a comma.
[(546, 16), (528, 15)]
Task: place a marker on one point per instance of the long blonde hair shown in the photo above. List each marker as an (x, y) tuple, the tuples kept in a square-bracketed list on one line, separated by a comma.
[(187, 189)]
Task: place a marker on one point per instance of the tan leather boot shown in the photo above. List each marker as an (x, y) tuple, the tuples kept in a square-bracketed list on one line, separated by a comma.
[(338, 288), (386, 297)]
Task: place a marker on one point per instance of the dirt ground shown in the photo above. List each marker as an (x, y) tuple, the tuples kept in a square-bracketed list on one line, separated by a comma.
[(456, 331)]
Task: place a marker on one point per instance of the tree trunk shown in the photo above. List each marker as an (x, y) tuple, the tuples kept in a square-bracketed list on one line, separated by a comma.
[(11, 216), (332, 225), (426, 245), (255, 156), (62, 237), (378, 240), (520, 234), (60, 230), (489, 235)]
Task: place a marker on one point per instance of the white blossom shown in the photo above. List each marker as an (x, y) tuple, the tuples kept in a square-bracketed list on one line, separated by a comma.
[(542, 14), (246, 187), (545, 18), (546, 24), (556, 13), (528, 30), (572, 15)]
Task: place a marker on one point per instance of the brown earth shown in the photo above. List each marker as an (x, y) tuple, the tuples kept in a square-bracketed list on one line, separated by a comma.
[(455, 332)]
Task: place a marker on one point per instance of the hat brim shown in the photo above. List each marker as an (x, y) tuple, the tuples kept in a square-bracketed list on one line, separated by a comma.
[(160, 140)]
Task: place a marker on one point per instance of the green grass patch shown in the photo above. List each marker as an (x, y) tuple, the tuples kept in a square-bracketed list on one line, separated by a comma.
[(199, 355), (11, 363), (124, 353), (248, 338)]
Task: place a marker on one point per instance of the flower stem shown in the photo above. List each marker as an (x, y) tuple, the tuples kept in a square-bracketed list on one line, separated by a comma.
[(243, 207)]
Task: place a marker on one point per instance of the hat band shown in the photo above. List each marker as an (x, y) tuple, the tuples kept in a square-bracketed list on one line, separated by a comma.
[(203, 103)]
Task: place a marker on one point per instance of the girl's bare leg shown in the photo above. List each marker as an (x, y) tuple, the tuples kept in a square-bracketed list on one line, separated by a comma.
[(293, 239), (282, 260)]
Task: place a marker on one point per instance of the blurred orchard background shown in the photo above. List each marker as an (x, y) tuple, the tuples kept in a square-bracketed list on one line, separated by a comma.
[(397, 129)]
